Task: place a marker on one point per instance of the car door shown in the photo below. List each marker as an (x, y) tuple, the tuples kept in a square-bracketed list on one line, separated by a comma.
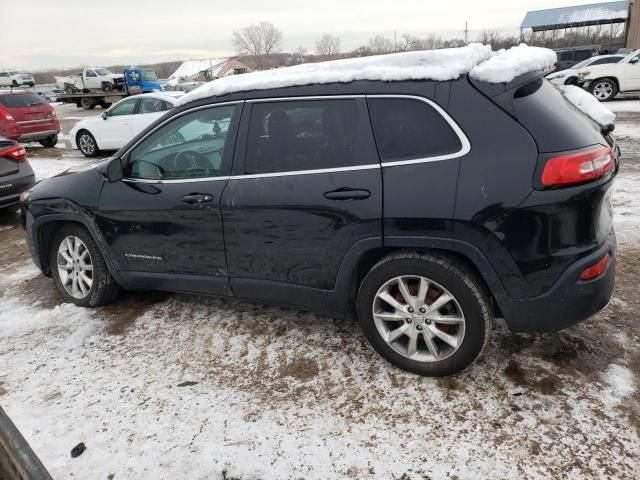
[(632, 74), (117, 128), (306, 188), (162, 221), (91, 79)]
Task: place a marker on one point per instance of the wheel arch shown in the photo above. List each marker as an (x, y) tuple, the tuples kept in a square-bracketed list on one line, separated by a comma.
[(85, 129), (44, 229), (357, 263)]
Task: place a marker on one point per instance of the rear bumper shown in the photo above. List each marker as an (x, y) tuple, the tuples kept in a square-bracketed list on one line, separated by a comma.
[(35, 136), (11, 186), (570, 300)]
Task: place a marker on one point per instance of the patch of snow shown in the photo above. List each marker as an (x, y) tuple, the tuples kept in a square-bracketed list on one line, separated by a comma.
[(589, 105), (624, 129), (621, 382), (623, 106), (444, 64), (505, 65)]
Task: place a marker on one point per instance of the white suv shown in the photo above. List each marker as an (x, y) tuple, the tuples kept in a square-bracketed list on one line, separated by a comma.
[(606, 81), (14, 79)]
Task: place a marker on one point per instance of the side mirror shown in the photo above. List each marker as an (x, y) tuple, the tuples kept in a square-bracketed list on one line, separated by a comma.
[(115, 170), (105, 115), (634, 60)]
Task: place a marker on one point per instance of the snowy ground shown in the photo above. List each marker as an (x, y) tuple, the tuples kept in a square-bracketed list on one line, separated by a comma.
[(178, 386)]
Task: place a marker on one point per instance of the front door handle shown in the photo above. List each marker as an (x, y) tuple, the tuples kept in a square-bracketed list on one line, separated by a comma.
[(345, 194), (197, 198)]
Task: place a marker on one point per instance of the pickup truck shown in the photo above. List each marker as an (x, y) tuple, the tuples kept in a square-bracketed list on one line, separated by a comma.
[(99, 86), (606, 81)]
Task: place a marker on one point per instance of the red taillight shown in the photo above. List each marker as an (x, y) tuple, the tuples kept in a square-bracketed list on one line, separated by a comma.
[(4, 115), (596, 269), (15, 153), (578, 167)]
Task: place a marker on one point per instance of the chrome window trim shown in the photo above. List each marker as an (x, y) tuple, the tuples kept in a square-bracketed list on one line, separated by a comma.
[(464, 141)]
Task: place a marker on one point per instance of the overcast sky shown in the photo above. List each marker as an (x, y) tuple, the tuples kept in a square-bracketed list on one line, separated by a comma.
[(40, 34)]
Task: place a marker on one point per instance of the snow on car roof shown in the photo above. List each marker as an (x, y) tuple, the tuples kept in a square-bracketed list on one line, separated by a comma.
[(505, 65), (439, 65)]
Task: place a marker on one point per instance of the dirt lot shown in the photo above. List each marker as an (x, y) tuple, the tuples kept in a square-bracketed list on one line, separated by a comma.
[(172, 386)]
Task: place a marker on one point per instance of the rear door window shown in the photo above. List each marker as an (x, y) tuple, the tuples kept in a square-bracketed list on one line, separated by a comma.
[(127, 107), (21, 100), (286, 136), (407, 129)]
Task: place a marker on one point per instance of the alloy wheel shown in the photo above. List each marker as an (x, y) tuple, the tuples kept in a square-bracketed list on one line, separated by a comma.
[(87, 144), (418, 318), (603, 90), (75, 267)]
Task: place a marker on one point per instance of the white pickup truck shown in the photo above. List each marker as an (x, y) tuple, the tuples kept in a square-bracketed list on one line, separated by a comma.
[(91, 79), (606, 81)]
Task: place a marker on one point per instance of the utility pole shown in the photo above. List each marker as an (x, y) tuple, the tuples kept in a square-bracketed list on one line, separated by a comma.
[(466, 33)]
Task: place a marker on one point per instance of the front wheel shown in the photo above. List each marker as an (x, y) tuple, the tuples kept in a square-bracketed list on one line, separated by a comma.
[(427, 314), (87, 144), (604, 89), (79, 271), (87, 103)]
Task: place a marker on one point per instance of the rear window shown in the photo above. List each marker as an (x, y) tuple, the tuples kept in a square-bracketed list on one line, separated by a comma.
[(408, 129), (21, 100)]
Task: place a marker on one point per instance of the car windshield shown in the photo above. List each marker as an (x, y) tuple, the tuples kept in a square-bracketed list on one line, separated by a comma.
[(149, 75), (21, 100), (102, 71)]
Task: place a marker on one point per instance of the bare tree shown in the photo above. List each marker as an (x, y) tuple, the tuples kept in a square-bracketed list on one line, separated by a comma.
[(300, 53), (379, 45), (257, 41), (409, 42), (328, 46)]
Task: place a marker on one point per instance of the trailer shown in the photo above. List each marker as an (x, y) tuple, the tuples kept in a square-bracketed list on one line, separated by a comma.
[(87, 92)]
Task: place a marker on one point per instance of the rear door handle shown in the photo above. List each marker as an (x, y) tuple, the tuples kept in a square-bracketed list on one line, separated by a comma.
[(197, 198), (345, 194)]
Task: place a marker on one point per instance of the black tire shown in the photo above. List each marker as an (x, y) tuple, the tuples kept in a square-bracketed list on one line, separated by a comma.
[(104, 104), (604, 89), (467, 289), (68, 90), (49, 142), (87, 144), (107, 87), (14, 83), (87, 103), (104, 289)]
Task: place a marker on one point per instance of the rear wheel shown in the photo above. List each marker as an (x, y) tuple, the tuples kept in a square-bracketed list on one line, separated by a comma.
[(14, 83), (426, 314), (87, 103), (87, 144), (79, 271), (604, 89), (49, 141)]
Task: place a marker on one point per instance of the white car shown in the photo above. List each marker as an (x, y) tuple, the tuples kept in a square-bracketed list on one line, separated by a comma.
[(120, 123), (606, 81), (570, 75), (14, 79)]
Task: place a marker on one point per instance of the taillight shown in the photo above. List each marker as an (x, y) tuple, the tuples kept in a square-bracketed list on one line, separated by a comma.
[(578, 167), (596, 269), (15, 153), (4, 115)]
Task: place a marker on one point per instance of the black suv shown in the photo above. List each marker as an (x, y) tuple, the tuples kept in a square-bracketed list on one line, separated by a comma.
[(425, 207)]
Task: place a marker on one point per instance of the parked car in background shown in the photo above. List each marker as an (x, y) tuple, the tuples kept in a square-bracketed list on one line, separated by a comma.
[(421, 205), (15, 79), (568, 57), (120, 123), (606, 81), (49, 94), (570, 75), (16, 174), (26, 117)]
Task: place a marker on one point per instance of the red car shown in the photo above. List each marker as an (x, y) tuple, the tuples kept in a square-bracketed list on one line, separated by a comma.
[(27, 117)]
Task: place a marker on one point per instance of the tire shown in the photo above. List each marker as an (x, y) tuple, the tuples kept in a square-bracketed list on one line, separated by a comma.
[(49, 142), (102, 290), (68, 90), (14, 83), (468, 314), (87, 144), (107, 87), (604, 89), (87, 103)]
